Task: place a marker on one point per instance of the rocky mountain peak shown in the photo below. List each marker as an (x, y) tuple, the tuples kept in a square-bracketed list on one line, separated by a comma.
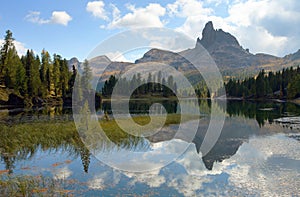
[(212, 37), (73, 62)]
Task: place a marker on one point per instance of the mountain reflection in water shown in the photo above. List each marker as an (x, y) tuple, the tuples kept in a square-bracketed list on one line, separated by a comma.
[(254, 155)]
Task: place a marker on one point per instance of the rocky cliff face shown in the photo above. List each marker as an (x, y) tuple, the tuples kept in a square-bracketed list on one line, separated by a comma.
[(212, 38), (224, 48)]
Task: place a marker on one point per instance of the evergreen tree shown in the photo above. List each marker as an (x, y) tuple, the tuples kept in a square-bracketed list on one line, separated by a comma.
[(11, 62), (45, 72), (64, 77), (36, 80), (293, 88), (260, 85), (86, 76), (56, 75), (21, 80), (72, 79), (8, 44)]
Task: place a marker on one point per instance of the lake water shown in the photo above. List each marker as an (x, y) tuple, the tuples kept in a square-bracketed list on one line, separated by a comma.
[(256, 153)]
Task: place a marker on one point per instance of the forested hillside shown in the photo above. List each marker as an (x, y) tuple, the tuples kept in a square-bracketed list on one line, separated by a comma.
[(32, 79), (284, 84)]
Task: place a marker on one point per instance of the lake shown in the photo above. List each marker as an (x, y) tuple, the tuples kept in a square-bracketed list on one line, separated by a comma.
[(257, 153)]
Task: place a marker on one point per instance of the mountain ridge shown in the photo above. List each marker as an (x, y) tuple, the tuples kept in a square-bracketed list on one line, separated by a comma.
[(231, 58)]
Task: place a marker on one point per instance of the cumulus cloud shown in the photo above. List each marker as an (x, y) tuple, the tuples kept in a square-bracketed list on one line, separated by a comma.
[(261, 25), (266, 26), (149, 16), (97, 9), (186, 8), (58, 17)]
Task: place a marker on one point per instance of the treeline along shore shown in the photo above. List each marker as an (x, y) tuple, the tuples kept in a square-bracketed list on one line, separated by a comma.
[(33, 80)]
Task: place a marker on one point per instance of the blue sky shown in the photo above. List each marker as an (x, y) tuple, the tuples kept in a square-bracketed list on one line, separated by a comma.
[(74, 28)]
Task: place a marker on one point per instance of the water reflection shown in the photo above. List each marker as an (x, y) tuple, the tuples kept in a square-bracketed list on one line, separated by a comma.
[(25, 115), (253, 155), (263, 111)]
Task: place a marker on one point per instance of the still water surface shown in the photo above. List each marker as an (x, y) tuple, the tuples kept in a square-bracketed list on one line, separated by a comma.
[(255, 155)]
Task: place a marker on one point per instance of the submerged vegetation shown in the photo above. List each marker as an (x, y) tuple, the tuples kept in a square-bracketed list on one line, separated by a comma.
[(12, 186), (22, 141)]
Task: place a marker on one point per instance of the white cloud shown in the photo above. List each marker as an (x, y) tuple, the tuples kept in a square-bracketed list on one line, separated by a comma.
[(260, 25), (104, 180), (259, 40), (97, 9), (116, 12), (58, 17), (148, 16), (21, 49), (34, 17), (266, 26), (195, 14), (186, 8), (62, 173), (257, 163), (252, 170), (152, 179)]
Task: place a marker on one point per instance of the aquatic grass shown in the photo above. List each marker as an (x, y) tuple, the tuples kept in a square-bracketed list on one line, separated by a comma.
[(22, 141), (25, 185), (25, 138), (112, 129)]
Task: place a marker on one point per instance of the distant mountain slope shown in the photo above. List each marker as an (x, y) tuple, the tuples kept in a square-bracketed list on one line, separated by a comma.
[(231, 58)]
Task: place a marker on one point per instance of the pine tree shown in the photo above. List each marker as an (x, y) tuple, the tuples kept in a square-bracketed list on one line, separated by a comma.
[(56, 75), (36, 80), (260, 85), (72, 79), (64, 77), (44, 72), (11, 62), (293, 88), (8, 44), (86, 76), (21, 80)]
